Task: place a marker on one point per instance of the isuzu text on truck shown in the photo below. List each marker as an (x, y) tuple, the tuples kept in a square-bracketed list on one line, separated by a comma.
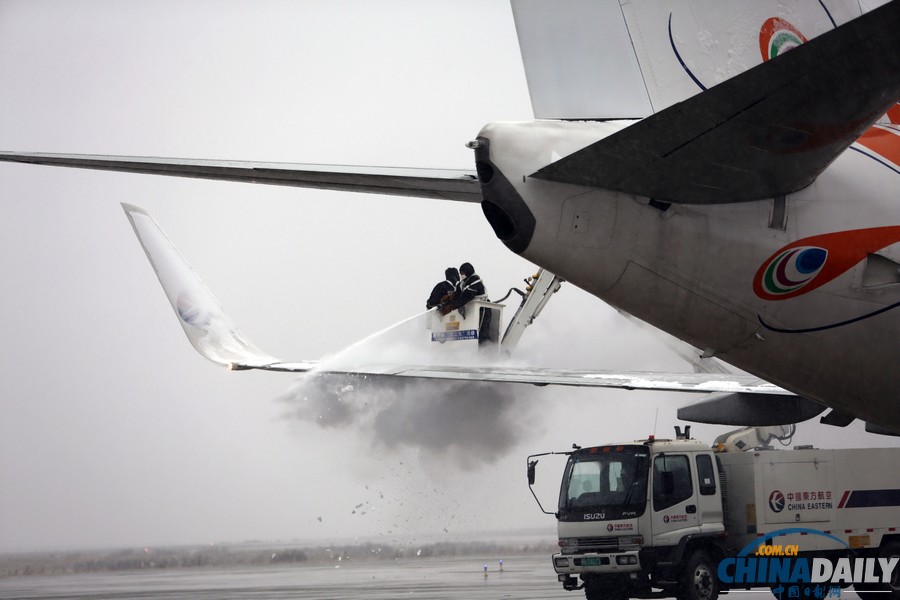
[(662, 518)]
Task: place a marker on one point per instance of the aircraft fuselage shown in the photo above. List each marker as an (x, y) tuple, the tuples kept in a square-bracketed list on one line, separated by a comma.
[(798, 290)]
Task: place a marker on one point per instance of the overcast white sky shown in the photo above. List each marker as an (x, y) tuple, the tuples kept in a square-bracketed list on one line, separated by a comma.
[(112, 430)]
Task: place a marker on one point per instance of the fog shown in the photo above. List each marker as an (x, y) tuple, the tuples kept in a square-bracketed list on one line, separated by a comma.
[(114, 432)]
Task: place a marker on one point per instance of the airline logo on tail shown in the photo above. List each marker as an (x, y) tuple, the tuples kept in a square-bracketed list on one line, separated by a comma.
[(777, 36)]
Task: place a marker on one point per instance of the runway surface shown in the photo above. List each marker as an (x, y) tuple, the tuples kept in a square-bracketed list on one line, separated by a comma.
[(457, 578)]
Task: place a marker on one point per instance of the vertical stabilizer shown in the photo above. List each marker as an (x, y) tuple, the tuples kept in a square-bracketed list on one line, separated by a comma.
[(607, 59), (579, 61), (687, 46)]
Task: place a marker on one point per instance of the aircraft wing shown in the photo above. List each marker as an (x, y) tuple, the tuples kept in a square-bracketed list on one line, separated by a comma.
[(767, 132), (214, 336), (730, 398), (441, 184), (670, 382)]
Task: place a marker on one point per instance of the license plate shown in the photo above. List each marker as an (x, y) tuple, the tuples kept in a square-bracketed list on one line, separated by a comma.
[(593, 561)]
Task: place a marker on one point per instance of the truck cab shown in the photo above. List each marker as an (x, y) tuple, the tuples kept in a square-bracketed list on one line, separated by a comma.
[(661, 518), (631, 514)]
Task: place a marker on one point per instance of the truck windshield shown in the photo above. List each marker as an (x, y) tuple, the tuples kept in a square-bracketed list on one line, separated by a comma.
[(610, 482)]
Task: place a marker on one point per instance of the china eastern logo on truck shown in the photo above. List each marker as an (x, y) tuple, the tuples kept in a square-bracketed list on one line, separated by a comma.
[(675, 519), (797, 500), (789, 575)]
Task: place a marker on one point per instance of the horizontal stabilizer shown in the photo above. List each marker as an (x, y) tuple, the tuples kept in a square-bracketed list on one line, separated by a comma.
[(767, 132), (440, 184)]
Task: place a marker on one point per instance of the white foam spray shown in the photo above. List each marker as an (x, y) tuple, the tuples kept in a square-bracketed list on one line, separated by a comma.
[(476, 423)]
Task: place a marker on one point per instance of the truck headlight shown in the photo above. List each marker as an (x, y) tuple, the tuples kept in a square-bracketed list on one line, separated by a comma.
[(561, 562), (631, 542), (626, 559)]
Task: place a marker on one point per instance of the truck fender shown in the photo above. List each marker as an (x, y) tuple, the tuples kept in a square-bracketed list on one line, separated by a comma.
[(694, 540)]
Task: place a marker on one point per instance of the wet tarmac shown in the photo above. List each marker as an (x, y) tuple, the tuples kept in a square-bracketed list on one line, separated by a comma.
[(457, 578)]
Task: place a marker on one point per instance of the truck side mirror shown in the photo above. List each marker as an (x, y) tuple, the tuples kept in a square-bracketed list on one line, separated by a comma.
[(532, 465)]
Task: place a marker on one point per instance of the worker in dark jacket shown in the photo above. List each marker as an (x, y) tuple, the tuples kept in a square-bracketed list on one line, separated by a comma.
[(444, 291), (471, 288)]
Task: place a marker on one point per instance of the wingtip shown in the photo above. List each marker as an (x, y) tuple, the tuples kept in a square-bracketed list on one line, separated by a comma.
[(132, 208), (202, 318)]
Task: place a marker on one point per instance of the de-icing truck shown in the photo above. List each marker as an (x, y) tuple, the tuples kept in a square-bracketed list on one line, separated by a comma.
[(676, 518)]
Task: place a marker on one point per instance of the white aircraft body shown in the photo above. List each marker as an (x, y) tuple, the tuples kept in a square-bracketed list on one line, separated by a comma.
[(744, 200)]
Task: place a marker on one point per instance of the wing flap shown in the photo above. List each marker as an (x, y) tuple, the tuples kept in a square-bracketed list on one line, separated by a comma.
[(441, 184), (766, 132)]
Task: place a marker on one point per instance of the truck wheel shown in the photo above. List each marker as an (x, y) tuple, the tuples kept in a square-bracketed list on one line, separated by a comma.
[(892, 550), (699, 580), (877, 590)]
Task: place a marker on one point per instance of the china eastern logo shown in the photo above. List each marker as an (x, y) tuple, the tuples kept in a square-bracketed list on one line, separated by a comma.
[(776, 501), (777, 36), (789, 575), (809, 263), (793, 269)]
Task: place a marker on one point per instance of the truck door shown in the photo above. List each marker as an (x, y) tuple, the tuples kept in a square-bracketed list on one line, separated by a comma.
[(709, 501), (674, 502)]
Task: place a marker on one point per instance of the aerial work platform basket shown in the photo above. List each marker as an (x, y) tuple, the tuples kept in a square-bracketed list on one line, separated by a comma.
[(479, 323)]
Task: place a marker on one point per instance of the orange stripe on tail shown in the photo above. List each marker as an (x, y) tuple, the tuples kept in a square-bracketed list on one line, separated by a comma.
[(893, 114), (883, 142)]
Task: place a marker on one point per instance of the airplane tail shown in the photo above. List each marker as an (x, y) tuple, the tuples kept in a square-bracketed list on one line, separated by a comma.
[(206, 325), (612, 59), (771, 129)]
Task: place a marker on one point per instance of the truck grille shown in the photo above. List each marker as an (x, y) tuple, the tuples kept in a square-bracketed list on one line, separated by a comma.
[(591, 544)]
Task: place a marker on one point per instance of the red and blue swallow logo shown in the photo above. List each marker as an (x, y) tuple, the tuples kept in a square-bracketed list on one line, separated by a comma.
[(810, 263), (777, 36)]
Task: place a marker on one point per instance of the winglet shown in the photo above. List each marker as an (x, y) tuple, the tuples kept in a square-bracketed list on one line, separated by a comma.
[(206, 325)]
